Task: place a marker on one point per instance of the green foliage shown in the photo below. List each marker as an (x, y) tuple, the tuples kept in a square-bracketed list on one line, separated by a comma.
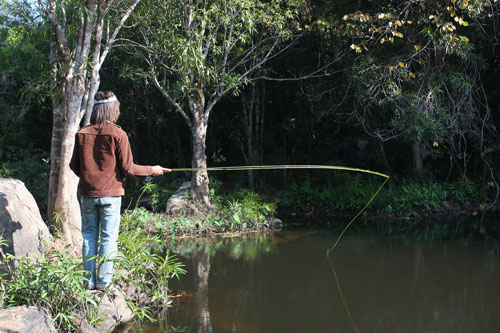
[(32, 169), (155, 192), (244, 209), (239, 211), (23, 76), (463, 190), (56, 281), (143, 268), (208, 45), (53, 281), (406, 199)]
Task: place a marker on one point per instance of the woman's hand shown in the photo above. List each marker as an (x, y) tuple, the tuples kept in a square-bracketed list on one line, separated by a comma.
[(159, 170)]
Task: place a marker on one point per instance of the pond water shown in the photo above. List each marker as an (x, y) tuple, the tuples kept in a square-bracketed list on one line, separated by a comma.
[(284, 282)]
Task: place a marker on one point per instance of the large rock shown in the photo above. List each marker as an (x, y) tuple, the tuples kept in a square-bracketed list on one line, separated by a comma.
[(178, 202), (25, 319), (114, 311), (21, 225)]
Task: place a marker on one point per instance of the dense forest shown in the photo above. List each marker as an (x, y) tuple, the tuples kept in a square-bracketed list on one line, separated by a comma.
[(408, 88)]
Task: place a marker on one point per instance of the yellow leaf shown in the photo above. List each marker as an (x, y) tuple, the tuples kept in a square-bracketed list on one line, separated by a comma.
[(356, 48), (391, 68), (416, 47), (401, 64), (382, 41), (409, 21), (412, 75), (391, 40), (398, 23), (435, 144)]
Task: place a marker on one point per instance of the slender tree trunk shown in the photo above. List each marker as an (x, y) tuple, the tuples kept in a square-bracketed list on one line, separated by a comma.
[(57, 130), (384, 157), (55, 157), (253, 112), (416, 149)]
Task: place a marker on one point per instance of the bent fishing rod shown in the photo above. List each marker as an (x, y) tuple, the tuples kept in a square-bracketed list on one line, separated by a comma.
[(305, 166)]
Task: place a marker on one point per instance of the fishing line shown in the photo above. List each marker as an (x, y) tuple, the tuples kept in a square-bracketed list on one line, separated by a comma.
[(328, 167), (278, 167)]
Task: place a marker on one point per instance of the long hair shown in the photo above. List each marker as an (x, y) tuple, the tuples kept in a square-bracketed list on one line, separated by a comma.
[(105, 112)]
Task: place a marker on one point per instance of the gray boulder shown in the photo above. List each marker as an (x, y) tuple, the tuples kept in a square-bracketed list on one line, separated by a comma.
[(178, 202), (114, 311), (21, 225), (25, 319)]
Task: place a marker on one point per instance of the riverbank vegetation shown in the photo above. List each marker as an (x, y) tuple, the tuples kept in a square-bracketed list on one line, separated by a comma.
[(55, 280), (407, 88), (325, 193)]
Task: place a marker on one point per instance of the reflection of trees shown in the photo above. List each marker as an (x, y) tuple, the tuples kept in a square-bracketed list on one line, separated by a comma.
[(223, 308), (419, 288), (201, 270), (248, 247)]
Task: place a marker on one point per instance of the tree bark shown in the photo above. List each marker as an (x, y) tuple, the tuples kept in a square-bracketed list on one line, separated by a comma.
[(199, 180)]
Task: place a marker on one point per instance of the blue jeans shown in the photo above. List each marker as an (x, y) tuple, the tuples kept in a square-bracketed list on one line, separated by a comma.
[(100, 217)]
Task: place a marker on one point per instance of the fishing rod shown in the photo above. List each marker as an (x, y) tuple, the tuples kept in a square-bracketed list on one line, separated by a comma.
[(305, 166), (327, 167), (277, 167)]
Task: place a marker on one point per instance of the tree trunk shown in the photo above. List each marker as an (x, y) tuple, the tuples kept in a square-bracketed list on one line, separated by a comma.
[(253, 112), (57, 130), (64, 208), (416, 149), (199, 180), (55, 158), (384, 158), (65, 201)]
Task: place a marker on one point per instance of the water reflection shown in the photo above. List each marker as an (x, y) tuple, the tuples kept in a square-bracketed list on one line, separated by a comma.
[(284, 282)]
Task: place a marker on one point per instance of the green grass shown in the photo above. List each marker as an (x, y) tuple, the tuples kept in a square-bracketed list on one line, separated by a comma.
[(405, 199), (242, 210)]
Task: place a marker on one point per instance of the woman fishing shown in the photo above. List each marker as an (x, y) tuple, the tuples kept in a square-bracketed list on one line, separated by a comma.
[(101, 159)]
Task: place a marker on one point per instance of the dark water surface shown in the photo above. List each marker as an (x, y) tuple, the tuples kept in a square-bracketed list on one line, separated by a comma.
[(284, 282)]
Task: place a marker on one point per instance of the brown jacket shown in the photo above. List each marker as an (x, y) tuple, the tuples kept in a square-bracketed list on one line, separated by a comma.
[(101, 158)]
